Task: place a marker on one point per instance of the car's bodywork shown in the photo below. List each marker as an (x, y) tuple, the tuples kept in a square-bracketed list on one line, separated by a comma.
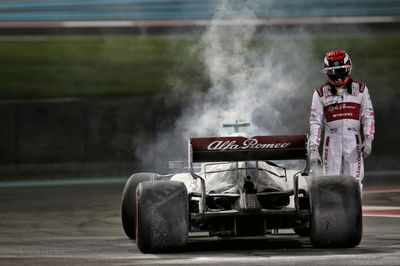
[(238, 192), (249, 210)]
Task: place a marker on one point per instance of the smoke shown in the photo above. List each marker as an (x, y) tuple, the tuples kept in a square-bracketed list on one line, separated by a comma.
[(253, 78)]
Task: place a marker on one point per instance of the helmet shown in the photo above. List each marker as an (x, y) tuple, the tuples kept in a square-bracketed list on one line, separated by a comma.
[(337, 67)]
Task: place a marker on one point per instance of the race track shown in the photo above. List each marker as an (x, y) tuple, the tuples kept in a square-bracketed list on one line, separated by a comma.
[(80, 224)]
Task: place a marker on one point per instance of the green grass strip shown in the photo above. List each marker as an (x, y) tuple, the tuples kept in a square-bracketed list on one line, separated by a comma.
[(55, 67)]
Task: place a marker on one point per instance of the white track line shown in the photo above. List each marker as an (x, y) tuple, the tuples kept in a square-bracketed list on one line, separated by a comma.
[(370, 208), (381, 211)]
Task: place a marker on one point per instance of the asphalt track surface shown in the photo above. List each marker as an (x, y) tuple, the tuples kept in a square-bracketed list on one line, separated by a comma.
[(79, 224)]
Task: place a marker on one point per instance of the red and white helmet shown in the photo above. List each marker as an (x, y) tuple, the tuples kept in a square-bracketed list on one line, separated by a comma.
[(337, 67)]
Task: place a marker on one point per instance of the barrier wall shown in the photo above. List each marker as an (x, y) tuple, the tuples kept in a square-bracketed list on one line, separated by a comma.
[(8, 136), (78, 130), (97, 136)]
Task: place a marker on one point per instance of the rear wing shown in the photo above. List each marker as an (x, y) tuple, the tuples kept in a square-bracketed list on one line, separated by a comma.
[(222, 149), (258, 148)]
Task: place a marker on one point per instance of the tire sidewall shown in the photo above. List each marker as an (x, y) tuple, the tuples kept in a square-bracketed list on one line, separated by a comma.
[(128, 203)]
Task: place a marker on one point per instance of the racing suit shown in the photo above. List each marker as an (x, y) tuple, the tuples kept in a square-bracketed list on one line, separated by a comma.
[(342, 115)]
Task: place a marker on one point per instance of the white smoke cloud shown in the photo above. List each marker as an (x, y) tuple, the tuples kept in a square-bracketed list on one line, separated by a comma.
[(267, 85)]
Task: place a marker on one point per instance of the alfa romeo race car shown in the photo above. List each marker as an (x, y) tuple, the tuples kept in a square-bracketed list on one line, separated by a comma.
[(241, 191)]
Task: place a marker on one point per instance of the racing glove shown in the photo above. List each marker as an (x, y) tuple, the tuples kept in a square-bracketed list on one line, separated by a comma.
[(314, 154), (366, 147)]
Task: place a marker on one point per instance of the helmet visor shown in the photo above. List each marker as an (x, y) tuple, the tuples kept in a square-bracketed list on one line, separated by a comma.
[(337, 74)]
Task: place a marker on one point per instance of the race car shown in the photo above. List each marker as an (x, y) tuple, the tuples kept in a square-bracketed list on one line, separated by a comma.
[(240, 190)]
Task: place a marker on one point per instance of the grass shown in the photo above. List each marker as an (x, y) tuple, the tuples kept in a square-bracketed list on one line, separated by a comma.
[(51, 67), (73, 67)]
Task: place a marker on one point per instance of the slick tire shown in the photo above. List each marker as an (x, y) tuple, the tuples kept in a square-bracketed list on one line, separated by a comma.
[(162, 216), (335, 212), (128, 204)]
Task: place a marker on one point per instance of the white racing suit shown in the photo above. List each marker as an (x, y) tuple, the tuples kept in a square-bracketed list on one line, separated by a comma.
[(342, 116)]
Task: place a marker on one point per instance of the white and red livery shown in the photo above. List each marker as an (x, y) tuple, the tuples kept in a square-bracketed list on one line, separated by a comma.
[(342, 111)]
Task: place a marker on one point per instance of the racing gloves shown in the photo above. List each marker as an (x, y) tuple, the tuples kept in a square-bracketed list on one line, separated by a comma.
[(366, 147), (314, 154)]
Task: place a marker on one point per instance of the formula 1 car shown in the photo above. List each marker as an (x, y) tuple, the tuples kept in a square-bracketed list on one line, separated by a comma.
[(161, 211)]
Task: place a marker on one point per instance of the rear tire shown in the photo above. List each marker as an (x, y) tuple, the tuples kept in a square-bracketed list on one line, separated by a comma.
[(128, 205), (162, 216), (335, 212)]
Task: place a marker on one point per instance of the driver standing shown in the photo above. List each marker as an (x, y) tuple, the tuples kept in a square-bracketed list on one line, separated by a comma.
[(341, 105)]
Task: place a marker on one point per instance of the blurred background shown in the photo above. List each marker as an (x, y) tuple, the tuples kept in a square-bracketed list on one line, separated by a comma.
[(106, 88)]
